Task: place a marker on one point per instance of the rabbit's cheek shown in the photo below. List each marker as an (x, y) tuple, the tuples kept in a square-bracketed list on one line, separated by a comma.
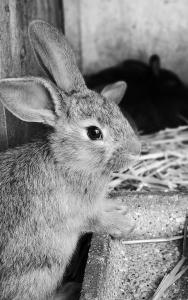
[(83, 155), (88, 157)]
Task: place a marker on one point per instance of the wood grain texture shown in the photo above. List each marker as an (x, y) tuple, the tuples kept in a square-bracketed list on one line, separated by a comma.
[(72, 13), (16, 57)]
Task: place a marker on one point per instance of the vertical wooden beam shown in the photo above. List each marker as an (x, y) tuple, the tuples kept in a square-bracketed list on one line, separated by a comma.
[(16, 57), (5, 65), (72, 26)]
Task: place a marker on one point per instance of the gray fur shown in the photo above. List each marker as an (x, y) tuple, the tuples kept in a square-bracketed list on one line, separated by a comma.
[(53, 190)]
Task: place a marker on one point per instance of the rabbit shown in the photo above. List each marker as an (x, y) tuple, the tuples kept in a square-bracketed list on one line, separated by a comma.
[(55, 189), (151, 86), (167, 91)]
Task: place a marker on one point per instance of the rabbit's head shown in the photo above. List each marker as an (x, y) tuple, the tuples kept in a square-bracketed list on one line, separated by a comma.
[(90, 132)]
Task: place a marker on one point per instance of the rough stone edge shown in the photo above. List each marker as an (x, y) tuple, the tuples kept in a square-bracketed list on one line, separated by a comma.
[(98, 258), (96, 267)]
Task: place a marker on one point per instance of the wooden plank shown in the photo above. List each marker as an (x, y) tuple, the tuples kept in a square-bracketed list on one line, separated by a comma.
[(4, 67), (3, 129), (16, 57), (72, 25)]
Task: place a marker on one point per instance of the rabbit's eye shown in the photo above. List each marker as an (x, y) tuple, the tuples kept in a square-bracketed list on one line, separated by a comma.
[(94, 133)]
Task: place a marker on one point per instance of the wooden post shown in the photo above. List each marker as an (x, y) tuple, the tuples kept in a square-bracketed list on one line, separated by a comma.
[(72, 27), (16, 57)]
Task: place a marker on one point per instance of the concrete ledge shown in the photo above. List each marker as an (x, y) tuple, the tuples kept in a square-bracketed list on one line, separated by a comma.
[(116, 271)]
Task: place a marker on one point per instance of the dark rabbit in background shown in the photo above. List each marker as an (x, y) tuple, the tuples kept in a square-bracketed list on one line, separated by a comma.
[(54, 190), (148, 86)]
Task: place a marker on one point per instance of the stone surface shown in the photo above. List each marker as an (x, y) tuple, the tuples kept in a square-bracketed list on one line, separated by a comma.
[(116, 271)]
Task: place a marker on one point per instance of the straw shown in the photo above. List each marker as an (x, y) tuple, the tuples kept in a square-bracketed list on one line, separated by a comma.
[(177, 271), (162, 166)]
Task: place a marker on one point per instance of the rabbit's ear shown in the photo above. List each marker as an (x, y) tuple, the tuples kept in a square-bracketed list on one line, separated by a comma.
[(55, 56), (31, 99), (115, 91)]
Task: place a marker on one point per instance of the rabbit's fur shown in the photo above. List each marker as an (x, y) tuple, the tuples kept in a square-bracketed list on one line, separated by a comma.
[(53, 190)]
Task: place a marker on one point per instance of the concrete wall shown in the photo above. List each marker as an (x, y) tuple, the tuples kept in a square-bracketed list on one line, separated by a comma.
[(109, 31)]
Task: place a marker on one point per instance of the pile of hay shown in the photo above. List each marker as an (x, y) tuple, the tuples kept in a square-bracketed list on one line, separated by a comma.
[(162, 166)]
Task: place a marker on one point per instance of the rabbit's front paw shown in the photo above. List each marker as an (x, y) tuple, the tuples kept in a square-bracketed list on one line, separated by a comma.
[(116, 219)]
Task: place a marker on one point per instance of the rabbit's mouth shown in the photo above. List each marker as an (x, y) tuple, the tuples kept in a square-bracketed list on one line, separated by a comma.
[(131, 161), (125, 167), (122, 164), (122, 158)]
